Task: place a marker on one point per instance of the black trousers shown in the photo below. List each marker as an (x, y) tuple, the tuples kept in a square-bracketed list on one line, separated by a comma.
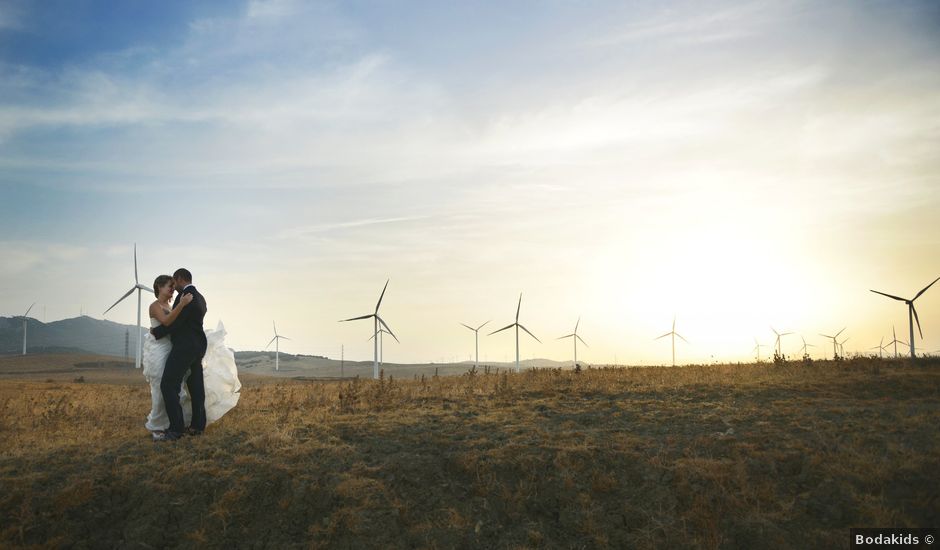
[(177, 363)]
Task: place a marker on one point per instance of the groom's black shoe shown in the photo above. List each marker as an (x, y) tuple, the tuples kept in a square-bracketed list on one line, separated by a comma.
[(193, 432), (167, 436)]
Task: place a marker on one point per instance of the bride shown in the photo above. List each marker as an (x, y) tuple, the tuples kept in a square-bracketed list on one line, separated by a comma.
[(218, 365)]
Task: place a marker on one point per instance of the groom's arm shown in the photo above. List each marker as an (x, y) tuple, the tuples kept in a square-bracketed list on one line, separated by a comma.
[(161, 330)]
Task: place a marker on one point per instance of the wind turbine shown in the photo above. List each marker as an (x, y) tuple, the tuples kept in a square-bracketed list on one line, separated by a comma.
[(835, 351), (806, 346), (25, 321), (138, 287), (842, 345), (911, 312), (757, 347), (880, 347), (381, 344), (518, 326), (377, 321), (674, 334), (574, 337), (779, 335), (476, 340), (277, 347), (895, 341)]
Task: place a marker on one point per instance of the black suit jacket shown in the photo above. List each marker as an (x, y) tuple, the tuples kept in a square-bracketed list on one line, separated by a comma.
[(187, 330)]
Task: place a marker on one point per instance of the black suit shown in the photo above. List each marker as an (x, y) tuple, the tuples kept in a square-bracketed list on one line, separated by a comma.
[(189, 347)]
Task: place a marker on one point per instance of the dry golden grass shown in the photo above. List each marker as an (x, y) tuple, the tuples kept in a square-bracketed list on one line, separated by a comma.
[(738, 456)]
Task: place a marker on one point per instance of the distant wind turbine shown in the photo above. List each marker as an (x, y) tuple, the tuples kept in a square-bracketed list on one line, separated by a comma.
[(673, 333), (911, 312), (25, 321), (779, 335), (517, 326), (757, 347), (377, 321), (476, 341), (277, 346), (835, 349), (880, 347), (139, 288), (895, 342), (805, 346), (574, 337), (842, 345)]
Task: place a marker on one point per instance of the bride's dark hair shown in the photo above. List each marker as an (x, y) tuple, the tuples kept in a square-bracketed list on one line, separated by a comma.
[(160, 281)]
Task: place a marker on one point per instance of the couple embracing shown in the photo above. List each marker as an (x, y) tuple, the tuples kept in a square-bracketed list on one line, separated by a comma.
[(177, 349)]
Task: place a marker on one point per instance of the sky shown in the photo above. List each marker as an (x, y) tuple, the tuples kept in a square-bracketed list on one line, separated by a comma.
[(736, 166)]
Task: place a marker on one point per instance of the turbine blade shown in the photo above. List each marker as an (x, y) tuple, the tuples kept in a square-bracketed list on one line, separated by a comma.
[(381, 322), (518, 307), (358, 318), (582, 340), (841, 331), (27, 311), (136, 280), (888, 295), (502, 329), (826, 335), (469, 327), (565, 336), (663, 336), (129, 292), (283, 337), (483, 325), (925, 289), (576, 325), (271, 342), (381, 296), (683, 339), (530, 334), (918, 322), (786, 334), (275, 327)]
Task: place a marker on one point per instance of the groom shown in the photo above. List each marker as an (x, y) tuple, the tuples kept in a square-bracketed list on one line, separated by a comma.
[(189, 347)]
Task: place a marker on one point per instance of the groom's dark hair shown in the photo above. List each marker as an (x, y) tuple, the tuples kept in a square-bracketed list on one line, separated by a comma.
[(183, 273)]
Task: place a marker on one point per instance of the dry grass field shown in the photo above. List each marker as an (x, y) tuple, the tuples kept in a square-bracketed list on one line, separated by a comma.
[(733, 456)]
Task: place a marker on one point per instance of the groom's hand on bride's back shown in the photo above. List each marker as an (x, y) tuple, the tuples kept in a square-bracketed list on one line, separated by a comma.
[(185, 299)]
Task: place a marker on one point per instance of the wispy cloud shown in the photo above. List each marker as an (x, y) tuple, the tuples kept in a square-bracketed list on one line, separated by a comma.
[(296, 232)]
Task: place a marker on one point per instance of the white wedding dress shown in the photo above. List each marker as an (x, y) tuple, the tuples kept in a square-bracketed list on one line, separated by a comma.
[(218, 370)]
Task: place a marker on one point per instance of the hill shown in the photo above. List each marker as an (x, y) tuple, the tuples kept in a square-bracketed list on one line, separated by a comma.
[(78, 334)]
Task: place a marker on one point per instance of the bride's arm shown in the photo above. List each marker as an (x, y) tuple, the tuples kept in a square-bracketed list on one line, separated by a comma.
[(167, 319)]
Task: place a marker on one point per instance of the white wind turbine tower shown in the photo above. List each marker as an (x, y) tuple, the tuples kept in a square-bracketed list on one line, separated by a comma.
[(842, 345), (835, 349), (138, 287), (911, 312), (673, 333), (880, 347), (277, 347), (574, 337), (779, 335), (476, 341), (518, 326), (381, 345), (25, 321), (895, 342), (757, 347), (806, 346), (377, 320)]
